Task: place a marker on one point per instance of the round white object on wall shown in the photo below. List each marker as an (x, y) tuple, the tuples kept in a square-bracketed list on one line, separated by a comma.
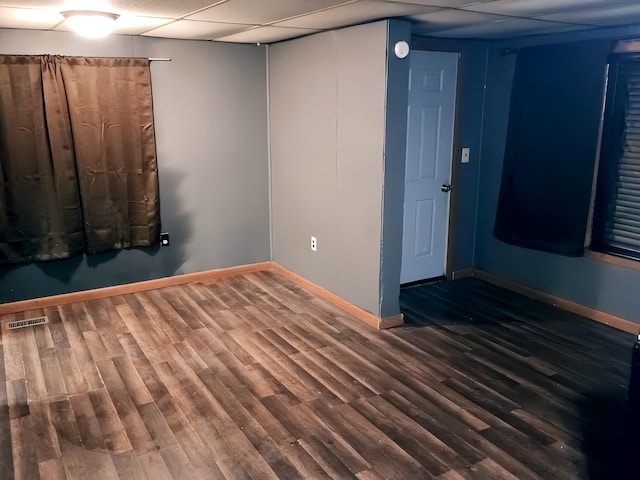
[(401, 49)]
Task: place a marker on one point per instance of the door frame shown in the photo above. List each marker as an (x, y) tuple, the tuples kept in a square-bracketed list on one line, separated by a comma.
[(453, 46)]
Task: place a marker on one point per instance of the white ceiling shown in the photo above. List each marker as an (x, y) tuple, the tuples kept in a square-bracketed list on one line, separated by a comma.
[(266, 21)]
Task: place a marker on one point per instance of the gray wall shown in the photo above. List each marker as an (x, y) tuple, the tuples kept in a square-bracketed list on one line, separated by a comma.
[(469, 118), (395, 148), (210, 110), (327, 114), (584, 280)]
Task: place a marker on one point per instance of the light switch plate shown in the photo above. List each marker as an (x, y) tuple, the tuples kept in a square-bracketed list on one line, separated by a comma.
[(465, 155)]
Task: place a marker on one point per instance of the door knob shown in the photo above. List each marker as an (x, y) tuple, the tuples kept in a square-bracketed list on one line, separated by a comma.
[(445, 187)]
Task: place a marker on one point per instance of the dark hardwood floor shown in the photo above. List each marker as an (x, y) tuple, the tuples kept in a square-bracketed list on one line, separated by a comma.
[(252, 377)]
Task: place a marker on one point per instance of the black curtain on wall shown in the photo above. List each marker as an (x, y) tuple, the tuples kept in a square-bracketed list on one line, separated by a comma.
[(78, 170), (552, 138)]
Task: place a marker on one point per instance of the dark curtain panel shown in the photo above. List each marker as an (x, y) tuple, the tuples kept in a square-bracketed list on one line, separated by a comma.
[(78, 166), (554, 119), (112, 122), (40, 215)]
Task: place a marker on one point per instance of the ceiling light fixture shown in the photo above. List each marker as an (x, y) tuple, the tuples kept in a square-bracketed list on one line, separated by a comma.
[(90, 24)]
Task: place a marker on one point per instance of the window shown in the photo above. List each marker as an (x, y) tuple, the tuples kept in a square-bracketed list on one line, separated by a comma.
[(616, 219), (552, 143)]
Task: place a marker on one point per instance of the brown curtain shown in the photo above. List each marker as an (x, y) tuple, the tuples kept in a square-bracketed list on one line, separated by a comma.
[(78, 167)]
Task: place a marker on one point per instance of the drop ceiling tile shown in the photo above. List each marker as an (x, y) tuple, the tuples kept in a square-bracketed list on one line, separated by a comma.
[(234, 18), (130, 25), (193, 30), (615, 13), (267, 34), (150, 8), (354, 13), (133, 25), (99, 5), (530, 8), (515, 27), (261, 12), (147, 8), (46, 4), (442, 3), (448, 19), (29, 18)]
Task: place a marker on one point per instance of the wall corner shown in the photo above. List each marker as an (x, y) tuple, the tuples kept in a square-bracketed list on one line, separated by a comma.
[(397, 78)]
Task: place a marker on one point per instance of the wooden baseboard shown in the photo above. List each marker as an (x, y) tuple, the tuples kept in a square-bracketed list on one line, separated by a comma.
[(66, 298), (341, 303), (86, 295), (390, 322), (588, 312), (463, 273)]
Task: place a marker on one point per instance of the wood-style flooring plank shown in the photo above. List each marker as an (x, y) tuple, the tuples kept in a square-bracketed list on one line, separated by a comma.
[(114, 435), (52, 469), (266, 437), (251, 376)]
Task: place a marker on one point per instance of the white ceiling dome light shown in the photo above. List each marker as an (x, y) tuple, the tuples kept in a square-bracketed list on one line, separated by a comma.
[(89, 23)]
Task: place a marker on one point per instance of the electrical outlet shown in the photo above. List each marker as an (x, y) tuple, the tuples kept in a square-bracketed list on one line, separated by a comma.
[(314, 244), (164, 239)]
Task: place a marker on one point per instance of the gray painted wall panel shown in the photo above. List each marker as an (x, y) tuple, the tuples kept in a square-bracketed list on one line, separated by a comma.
[(395, 147), (327, 94), (360, 133), (471, 90), (211, 134), (303, 116)]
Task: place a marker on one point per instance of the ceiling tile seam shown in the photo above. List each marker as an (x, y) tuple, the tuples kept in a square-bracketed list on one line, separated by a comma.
[(172, 21), (311, 32), (349, 2), (253, 26), (183, 17), (175, 20), (169, 21), (496, 37), (332, 7), (521, 17), (215, 4), (249, 25), (452, 31), (275, 22)]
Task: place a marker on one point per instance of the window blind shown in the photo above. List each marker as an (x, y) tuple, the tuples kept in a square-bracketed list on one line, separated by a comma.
[(617, 213)]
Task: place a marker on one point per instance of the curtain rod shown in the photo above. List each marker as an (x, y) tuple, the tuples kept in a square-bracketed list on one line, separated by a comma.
[(159, 59)]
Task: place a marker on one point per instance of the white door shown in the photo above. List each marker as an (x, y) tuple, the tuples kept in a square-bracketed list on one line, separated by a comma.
[(430, 119)]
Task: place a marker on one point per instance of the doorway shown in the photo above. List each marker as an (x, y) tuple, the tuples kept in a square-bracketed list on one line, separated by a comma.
[(430, 128)]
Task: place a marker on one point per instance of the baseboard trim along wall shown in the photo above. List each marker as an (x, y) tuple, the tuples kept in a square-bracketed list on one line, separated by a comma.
[(342, 304), (588, 312), (465, 272), (86, 295), (64, 299)]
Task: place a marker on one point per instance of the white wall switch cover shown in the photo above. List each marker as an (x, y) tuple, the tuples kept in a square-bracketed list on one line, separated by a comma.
[(465, 155)]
